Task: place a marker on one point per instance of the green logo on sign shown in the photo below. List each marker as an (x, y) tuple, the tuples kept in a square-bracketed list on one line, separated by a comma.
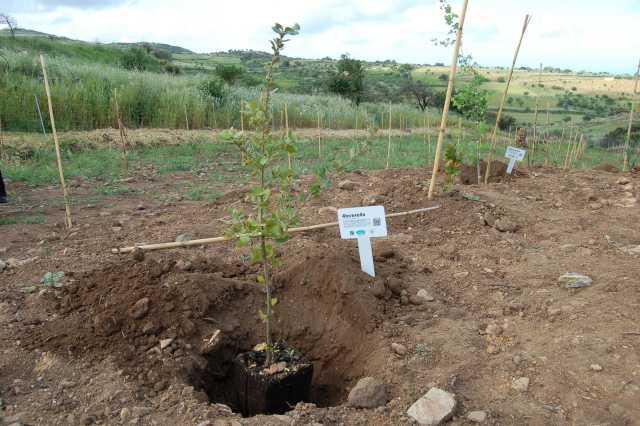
[(361, 232)]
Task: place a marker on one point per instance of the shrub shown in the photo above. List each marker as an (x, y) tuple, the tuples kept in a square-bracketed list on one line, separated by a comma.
[(138, 59), (214, 88)]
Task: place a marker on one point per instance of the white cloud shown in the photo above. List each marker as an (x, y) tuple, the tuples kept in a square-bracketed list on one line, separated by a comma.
[(573, 33)]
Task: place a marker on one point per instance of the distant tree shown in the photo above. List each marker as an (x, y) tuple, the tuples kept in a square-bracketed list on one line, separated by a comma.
[(419, 91), (162, 54), (214, 88), (471, 101), (10, 22), (443, 77), (501, 79), (229, 73), (348, 79)]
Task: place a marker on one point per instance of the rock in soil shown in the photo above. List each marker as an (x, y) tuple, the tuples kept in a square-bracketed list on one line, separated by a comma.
[(434, 408), (140, 308), (506, 225), (399, 349), (184, 238), (368, 393), (347, 185), (521, 384), (3, 265), (477, 416), (424, 294), (574, 280)]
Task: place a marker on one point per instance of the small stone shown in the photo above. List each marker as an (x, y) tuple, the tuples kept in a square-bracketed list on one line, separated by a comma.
[(575, 280), (424, 294), (3, 265), (414, 299), (404, 300), (184, 265), (595, 206), (399, 349), (477, 416), (460, 275), (596, 367), (434, 408), (182, 238), (489, 219), (506, 225), (125, 414), (140, 207), (623, 181), (368, 393), (140, 308), (347, 185), (164, 343), (521, 384)]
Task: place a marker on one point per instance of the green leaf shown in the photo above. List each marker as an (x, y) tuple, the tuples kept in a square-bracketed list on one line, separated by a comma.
[(274, 301)]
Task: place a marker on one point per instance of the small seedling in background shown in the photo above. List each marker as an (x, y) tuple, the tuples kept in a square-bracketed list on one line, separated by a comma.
[(52, 279), (452, 165)]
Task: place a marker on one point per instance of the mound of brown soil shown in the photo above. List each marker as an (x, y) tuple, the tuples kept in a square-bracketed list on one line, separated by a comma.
[(469, 173), (158, 320)]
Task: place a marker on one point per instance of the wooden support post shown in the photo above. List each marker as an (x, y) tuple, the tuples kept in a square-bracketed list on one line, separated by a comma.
[(445, 109), (319, 138), (204, 241), (389, 143), (121, 131), (634, 102), (44, 132), (67, 203), (2, 154), (286, 129), (535, 121), (492, 152), (546, 139), (186, 117)]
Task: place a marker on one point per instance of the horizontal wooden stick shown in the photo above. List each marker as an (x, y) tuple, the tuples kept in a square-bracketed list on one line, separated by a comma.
[(203, 241)]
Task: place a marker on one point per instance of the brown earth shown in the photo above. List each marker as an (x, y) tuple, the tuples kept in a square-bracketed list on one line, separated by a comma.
[(90, 352)]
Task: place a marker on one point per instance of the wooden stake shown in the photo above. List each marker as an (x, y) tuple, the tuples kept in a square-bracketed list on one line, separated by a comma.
[(203, 241), (492, 152), (44, 132), (286, 124), (121, 130), (535, 121), (445, 109), (1, 141), (389, 144), (546, 139), (65, 194), (319, 138), (186, 118), (625, 162)]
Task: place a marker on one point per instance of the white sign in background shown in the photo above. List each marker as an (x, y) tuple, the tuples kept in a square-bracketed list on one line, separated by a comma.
[(514, 154), (363, 223)]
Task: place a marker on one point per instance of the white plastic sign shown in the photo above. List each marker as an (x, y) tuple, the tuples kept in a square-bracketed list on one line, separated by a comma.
[(514, 154), (363, 223)]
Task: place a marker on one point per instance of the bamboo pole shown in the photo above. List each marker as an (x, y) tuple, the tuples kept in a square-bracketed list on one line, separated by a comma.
[(286, 129), (492, 152), (319, 138), (546, 139), (121, 131), (627, 143), (44, 132), (389, 143), (67, 204), (445, 109), (2, 154), (535, 121), (175, 244), (429, 135)]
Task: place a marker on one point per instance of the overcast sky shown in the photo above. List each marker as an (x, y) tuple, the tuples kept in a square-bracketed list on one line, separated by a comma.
[(578, 34)]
